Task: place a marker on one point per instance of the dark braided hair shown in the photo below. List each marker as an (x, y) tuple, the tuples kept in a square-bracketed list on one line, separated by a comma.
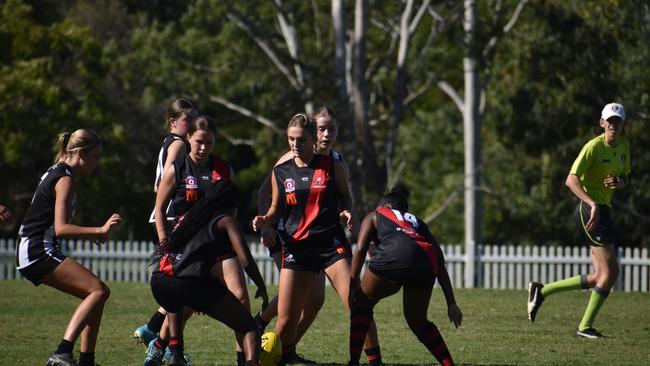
[(397, 198), (220, 198)]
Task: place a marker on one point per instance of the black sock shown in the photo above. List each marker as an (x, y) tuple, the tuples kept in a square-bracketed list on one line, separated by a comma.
[(64, 347), (374, 356), (156, 322), (86, 358), (241, 358)]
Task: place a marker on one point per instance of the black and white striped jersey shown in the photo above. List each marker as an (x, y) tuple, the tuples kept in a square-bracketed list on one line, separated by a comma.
[(160, 167)]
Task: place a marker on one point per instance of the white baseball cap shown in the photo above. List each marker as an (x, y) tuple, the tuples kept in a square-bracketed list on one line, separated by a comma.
[(613, 109)]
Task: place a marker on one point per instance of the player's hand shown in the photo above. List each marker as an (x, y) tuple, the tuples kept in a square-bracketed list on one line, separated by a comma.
[(112, 221), (593, 218), (260, 222), (5, 214), (613, 182), (455, 315), (347, 217), (268, 237), (261, 292)]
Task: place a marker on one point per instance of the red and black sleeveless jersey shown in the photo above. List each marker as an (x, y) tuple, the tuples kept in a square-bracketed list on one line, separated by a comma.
[(162, 155), (402, 238), (40, 214), (196, 257), (308, 197), (193, 180)]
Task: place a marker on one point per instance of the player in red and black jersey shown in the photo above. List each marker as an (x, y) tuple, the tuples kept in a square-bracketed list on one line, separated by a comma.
[(174, 147), (311, 195), (39, 258), (406, 255), (184, 275)]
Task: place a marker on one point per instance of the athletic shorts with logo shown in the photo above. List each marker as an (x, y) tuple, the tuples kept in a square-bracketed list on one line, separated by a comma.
[(315, 253)]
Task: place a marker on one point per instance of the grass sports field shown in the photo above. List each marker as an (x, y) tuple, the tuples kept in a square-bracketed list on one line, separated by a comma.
[(495, 329)]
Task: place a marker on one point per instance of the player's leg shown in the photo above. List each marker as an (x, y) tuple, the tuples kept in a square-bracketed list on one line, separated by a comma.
[(339, 275), (291, 301), (73, 278), (316, 300), (416, 303), (148, 331), (602, 280), (231, 273), (271, 311), (373, 289)]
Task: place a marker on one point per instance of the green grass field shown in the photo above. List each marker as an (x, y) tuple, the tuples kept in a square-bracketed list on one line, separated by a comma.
[(495, 329)]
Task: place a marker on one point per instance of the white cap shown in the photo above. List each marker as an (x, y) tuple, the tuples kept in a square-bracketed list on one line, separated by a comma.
[(613, 109)]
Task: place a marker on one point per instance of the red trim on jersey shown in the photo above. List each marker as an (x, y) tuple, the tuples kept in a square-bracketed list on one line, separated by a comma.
[(166, 266), (220, 169), (315, 197), (412, 233)]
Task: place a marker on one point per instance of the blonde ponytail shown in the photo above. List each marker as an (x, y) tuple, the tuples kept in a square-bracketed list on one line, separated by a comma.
[(81, 139)]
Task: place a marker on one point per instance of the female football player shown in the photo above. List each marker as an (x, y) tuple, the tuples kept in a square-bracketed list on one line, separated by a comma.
[(406, 255), (39, 258)]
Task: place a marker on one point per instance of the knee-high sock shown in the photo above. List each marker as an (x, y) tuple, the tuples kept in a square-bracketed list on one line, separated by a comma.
[(598, 297), (432, 340), (567, 284), (360, 319)]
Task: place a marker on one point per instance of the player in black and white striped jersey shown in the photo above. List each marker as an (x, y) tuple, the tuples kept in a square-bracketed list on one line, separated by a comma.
[(38, 257)]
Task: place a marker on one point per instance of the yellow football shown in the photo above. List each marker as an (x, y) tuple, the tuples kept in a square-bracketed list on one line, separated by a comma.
[(271, 349)]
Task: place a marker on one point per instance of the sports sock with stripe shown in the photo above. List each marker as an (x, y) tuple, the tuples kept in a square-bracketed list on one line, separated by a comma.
[(596, 301), (430, 336), (567, 284), (360, 319), (374, 356)]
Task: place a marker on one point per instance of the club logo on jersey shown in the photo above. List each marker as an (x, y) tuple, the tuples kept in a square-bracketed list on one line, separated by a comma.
[(318, 183), (292, 200), (191, 190), (289, 185), (190, 182)]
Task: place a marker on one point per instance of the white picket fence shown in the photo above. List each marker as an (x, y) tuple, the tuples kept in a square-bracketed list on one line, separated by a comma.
[(498, 266)]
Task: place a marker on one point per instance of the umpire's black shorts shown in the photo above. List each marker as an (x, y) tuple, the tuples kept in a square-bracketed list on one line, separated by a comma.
[(604, 233)]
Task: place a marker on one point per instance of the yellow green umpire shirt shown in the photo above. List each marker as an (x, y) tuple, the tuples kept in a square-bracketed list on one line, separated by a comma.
[(596, 160)]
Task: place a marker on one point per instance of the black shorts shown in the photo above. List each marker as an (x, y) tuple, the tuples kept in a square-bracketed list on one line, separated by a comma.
[(407, 277), (316, 253), (224, 246), (279, 242), (604, 233), (39, 262), (199, 293)]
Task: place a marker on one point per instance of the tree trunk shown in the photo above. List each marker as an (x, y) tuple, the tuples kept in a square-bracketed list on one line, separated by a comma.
[(472, 139)]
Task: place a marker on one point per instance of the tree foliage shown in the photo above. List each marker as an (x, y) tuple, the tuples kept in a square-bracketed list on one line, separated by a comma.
[(114, 65)]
